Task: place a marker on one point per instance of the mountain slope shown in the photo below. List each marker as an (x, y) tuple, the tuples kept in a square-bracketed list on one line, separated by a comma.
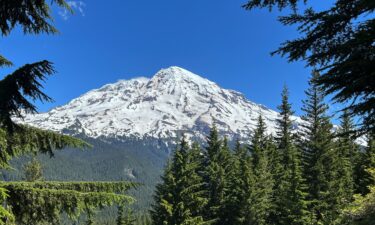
[(174, 100)]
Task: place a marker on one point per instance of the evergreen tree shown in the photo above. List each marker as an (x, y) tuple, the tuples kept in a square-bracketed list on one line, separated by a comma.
[(340, 41), (216, 164), (362, 210), (124, 216), (196, 196), (366, 179), (179, 198), (33, 171), (290, 197), (261, 199), (240, 186), (320, 156), (162, 207), (227, 162), (348, 158)]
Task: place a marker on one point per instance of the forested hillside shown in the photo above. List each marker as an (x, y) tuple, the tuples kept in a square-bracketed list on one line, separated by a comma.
[(132, 161), (313, 177)]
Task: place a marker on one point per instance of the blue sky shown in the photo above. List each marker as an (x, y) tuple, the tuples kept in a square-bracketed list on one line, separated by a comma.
[(105, 41)]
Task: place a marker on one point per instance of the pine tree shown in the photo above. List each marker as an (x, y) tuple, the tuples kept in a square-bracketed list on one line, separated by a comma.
[(320, 156), (261, 202), (290, 197)]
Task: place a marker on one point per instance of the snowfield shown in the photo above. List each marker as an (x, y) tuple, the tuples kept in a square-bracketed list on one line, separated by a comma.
[(173, 101)]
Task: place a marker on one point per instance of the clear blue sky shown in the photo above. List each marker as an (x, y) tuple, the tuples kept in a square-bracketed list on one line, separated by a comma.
[(121, 39)]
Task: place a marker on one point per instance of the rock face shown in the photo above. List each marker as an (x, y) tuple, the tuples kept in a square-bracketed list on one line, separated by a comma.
[(172, 102)]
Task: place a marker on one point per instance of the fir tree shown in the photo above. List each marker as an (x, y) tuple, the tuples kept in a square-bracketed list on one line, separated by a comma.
[(261, 202), (348, 159), (240, 185), (320, 156), (162, 207), (227, 162), (179, 198), (196, 195), (291, 204), (217, 182)]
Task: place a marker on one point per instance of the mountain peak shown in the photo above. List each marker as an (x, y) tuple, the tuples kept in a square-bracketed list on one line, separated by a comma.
[(179, 74), (174, 100), (175, 70)]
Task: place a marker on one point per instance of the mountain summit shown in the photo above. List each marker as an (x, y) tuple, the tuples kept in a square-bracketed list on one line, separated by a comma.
[(173, 101)]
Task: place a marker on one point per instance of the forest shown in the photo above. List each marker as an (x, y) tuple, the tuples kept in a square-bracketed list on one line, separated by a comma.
[(313, 177)]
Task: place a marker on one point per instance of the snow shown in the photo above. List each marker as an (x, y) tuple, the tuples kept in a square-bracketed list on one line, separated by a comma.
[(174, 100)]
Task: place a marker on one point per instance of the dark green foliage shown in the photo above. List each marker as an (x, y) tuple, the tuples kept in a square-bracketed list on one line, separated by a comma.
[(137, 161), (26, 140), (33, 17), (216, 178), (125, 216), (367, 162), (262, 189), (43, 202), (290, 193), (18, 88), (340, 41), (240, 186), (362, 210), (161, 209), (348, 159), (179, 199), (320, 157), (314, 186)]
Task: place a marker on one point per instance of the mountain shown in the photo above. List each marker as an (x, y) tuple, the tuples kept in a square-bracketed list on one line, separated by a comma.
[(172, 102)]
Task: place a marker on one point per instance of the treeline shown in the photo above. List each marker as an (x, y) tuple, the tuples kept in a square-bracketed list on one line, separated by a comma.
[(287, 178)]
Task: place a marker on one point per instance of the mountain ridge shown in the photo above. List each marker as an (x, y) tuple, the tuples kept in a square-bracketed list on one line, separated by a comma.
[(172, 101)]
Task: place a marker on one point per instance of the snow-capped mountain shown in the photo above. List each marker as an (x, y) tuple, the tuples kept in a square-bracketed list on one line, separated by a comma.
[(174, 100)]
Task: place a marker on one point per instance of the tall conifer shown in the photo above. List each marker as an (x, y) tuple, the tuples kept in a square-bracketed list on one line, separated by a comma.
[(179, 197), (291, 204), (347, 160), (240, 185), (261, 193), (320, 156), (367, 162)]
